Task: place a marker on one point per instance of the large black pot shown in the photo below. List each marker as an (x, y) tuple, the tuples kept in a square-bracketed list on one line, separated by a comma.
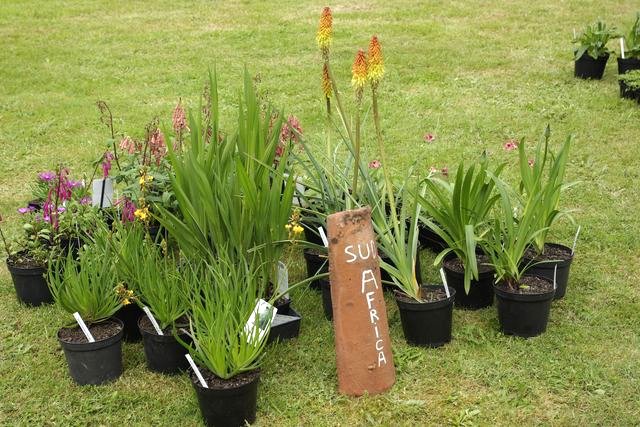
[(628, 64), (588, 68), (327, 305), (316, 264), (96, 362), (163, 353), (480, 292), (523, 315), (546, 269), (230, 407), (129, 315), (30, 284), (427, 324)]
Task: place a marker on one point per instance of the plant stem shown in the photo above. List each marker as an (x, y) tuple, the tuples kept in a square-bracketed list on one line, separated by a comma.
[(6, 245), (356, 161)]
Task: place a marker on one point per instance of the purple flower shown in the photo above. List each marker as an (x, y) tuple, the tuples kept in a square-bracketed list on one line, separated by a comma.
[(75, 184), (106, 163), (47, 176), (61, 209), (85, 200), (25, 210)]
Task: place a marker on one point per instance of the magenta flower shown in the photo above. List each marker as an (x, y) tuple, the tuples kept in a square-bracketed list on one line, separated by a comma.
[(510, 145), (106, 163), (445, 171), (47, 176), (128, 209), (85, 200), (429, 138), (375, 164), (61, 209), (25, 210)]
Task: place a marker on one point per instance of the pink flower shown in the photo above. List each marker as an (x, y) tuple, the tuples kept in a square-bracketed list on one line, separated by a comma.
[(47, 176), (531, 162), (429, 137), (433, 169), (375, 164), (157, 146), (291, 130), (127, 144), (510, 145), (128, 209), (25, 210), (106, 163), (179, 119), (445, 171), (85, 200)]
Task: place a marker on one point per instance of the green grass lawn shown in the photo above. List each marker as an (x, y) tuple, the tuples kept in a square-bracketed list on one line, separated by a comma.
[(474, 73)]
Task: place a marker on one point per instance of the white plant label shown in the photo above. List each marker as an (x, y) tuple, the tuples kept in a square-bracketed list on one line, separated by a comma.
[(323, 236), (622, 47), (102, 193), (259, 321), (574, 33), (152, 320), (444, 282), (575, 240), (555, 273), (203, 383), (83, 326), (283, 279)]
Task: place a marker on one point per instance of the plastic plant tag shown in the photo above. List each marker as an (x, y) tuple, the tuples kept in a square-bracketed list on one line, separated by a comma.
[(555, 273), (259, 321), (203, 383), (102, 193), (323, 236), (622, 47), (444, 282), (574, 33), (152, 320), (575, 240), (283, 279), (83, 326)]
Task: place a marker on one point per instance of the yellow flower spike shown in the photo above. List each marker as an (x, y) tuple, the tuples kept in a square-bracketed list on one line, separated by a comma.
[(359, 73), (297, 230), (325, 32), (375, 69), (326, 82)]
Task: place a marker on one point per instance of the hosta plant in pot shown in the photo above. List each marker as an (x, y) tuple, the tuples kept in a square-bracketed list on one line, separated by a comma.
[(225, 346), (459, 215), (592, 53), (631, 60), (542, 180), (88, 286)]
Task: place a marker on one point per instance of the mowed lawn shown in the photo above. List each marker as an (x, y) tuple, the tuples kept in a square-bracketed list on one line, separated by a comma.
[(473, 73)]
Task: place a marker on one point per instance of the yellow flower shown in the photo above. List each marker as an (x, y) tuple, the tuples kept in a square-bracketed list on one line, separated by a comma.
[(326, 82), (126, 301), (375, 69), (297, 230), (142, 214), (325, 30), (359, 72)]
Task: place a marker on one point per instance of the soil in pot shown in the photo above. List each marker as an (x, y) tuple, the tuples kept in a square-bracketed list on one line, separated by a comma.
[(480, 292), (231, 402), (163, 353), (97, 362), (317, 262), (524, 312), (29, 281), (129, 314), (554, 254), (628, 64), (427, 323), (588, 68)]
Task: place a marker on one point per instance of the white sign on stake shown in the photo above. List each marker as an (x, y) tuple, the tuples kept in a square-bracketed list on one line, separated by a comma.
[(555, 273), (102, 192), (259, 321), (283, 279), (83, 326), (444, 282), (323, 236), (622, 47), (574, 33), (203, 383), (152, 320), (575, 240)]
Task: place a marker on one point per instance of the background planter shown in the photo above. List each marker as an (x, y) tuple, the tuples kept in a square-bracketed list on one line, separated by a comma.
[(523, 315), (588, 68), (129, 315), (628, 64), (97, 362), (327, 305), (30, 285), (480, 293), (163, 353), (286, 324), (232, 406), (430, 240), (545, 270), (627, 93), (426, 324), (316, 263)]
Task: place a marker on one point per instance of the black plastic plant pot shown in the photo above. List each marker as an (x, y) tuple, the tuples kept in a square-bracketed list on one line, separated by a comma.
[(545, 270), (311, 234), (163, 353), (327, 305), (627, 93), (628, 64), (426, 324), (316, 264), (30, 284), (230, 406), (480, 292), (430, 240), (129, 314), (285, 326), (94, 363), (523, 315), (588, 68)]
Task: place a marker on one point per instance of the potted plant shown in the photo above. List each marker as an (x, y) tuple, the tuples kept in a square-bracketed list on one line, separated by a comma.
[(28, 257), (542, 179), (226, 346), (459, 214), (88, 286), (631, 60), (630, 85), (592, 53)]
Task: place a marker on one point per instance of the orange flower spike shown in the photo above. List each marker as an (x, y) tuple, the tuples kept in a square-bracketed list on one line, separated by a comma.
[(359, 71), (326, 82), (325, 32), (375, 70)]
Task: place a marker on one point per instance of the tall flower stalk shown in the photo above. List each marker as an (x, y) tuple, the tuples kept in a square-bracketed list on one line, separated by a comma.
[(358, 80)]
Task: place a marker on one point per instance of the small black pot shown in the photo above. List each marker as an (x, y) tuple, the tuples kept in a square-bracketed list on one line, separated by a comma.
[(327, 305), (430, 240), (31, 285), (480, 292), (628, 64), (588, 68), (427, 324), (316, 264), (129, 315), (163, 353), (523, 315), (628, 93), (228, 407), (545, 271), (95, 362)]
